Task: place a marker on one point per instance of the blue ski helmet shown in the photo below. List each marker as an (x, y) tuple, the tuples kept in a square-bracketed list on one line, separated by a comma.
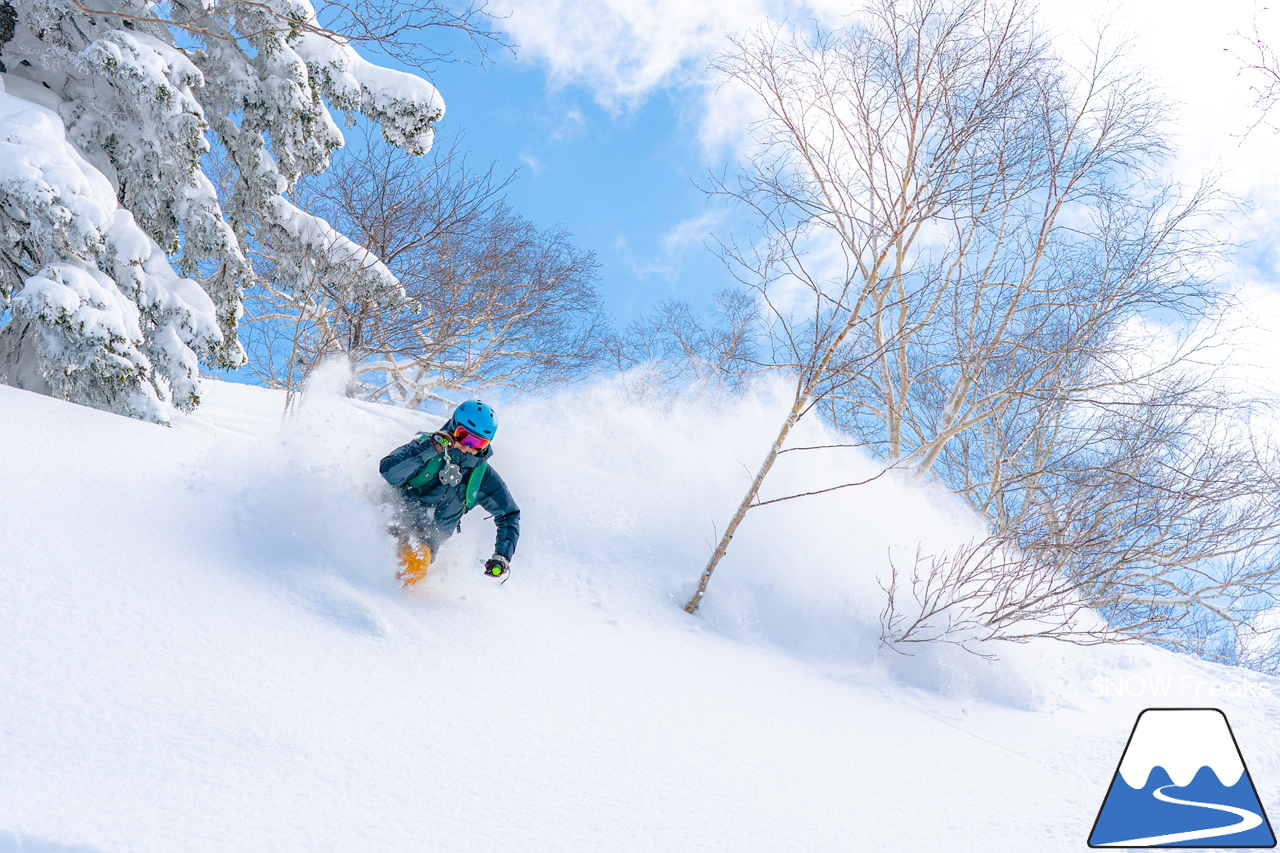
[(477, 418)]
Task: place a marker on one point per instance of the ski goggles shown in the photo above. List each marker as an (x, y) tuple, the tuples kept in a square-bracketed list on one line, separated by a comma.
[(468, 439)]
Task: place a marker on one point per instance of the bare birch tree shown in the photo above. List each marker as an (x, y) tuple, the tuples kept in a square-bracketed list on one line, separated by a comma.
[(484, 298), (677, 345), (964, 238), (1258, 61), (1155, 519)]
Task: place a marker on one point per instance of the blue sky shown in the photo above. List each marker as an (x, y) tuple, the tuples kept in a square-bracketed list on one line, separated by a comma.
[(610, 115), (619, 180)]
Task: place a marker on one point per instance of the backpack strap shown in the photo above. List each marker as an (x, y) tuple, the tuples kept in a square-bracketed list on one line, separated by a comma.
[(432, 468), (473, 483), (428, 471)]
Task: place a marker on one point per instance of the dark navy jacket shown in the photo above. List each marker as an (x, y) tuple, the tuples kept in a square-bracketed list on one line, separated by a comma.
[(447, 504)]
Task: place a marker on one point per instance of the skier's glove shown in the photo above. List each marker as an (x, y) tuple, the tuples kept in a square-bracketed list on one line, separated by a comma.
[(497, 567)]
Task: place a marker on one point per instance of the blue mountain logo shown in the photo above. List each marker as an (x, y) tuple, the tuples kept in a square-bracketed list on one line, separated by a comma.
[(1182, 783)]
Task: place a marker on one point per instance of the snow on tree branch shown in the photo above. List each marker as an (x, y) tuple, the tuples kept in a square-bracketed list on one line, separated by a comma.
[(77, 324), (120, 266), (405, 106)]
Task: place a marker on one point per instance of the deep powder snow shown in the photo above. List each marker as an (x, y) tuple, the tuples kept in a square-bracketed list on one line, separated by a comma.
[(202, 648)]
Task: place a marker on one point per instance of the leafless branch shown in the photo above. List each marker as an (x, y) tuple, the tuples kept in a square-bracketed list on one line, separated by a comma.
[(964, 244), (484, 297), (395, 29), (821, 491)]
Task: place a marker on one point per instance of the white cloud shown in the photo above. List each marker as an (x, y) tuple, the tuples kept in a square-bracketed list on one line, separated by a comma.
[(624, 49), (535, 165), (689, 235), (727, 112), (1257, 362), (1187, 50), (571, 125)]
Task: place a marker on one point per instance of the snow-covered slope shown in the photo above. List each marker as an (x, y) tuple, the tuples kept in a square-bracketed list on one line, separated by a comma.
[(202, 648)]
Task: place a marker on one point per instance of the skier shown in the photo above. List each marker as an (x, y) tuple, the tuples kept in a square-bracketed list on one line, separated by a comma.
[(442, 475)]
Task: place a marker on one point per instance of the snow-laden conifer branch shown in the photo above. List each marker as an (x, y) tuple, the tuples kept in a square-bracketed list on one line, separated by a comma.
[(123, 220), (97, 313), (391, 28)]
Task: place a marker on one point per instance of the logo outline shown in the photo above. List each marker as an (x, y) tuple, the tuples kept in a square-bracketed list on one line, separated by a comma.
[(1214, 846)]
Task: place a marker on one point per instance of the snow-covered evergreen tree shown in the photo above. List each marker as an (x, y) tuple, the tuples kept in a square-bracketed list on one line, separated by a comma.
[(120, 270)]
